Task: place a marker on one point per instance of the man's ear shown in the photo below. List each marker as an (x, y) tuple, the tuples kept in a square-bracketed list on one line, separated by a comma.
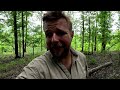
[(72, 34)]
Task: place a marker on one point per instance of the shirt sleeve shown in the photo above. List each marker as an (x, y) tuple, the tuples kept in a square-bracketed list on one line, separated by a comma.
[(31, 71)]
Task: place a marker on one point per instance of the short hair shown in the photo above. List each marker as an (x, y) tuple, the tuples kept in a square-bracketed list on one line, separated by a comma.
[(56, 15)]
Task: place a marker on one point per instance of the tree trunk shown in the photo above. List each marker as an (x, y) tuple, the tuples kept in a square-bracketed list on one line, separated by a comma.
[(41, 31), (103, 38), (95, 44), (89, 36), (99, 67), (83, 33), (23, 33), (33, 44), (26, 33), (19, 39), (103, 33), (15, 34)]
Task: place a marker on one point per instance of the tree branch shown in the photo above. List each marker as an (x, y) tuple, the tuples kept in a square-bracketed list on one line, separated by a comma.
[(99, 67)]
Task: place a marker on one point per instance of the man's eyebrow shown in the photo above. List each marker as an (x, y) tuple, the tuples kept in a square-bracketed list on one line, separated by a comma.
[(47, 31), (60, 30)]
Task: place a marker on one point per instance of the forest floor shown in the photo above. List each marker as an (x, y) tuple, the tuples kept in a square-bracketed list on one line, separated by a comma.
[(94, 60), (110, 72)]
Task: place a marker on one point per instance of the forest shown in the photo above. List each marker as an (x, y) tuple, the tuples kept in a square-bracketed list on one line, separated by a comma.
[(96, 34)]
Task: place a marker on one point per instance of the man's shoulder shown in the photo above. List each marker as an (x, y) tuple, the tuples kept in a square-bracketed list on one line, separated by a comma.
[(35, 68), (81, 54), (42, 59), (81, 57), (45, 56), (77, 53)]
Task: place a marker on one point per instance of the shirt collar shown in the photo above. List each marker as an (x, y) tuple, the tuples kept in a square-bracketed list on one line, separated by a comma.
[(73, 52)]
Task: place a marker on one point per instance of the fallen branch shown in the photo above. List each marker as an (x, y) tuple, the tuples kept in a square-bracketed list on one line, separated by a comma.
[(99, 67)]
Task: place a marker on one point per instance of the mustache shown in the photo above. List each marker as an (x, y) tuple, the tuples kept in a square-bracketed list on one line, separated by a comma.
[(57, 45)]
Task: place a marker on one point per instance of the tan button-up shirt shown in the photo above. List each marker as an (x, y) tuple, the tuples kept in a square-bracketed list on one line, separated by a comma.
[(46, 67)]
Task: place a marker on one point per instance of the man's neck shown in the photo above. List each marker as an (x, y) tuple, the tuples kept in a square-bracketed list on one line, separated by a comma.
[(67, 61)]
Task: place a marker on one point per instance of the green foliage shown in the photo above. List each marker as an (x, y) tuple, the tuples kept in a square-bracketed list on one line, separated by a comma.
[(37, 50), (5, 48), (105, 25), (11, 67), (76, 42), (93, 61), (36, 36)]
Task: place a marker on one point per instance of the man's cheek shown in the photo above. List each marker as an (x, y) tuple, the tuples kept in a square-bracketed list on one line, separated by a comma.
[(66, 42), (48, 44)]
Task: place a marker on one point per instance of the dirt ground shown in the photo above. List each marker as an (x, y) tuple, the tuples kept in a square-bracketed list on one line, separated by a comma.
[(94, 60), (110, 72)]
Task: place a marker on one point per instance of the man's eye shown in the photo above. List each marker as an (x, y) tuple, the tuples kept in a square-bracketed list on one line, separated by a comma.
[(49, 34), (61, 33)]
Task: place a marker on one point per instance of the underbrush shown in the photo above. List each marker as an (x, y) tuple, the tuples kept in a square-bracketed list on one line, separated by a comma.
[(13, 66), (110, 72), (10, 67)]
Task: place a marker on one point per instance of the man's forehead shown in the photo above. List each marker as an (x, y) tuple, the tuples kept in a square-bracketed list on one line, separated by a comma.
[(61, 23)]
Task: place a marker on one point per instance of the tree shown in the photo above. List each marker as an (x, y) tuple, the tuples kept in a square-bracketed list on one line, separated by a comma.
[(15, 34), (27, 15), (26, 32), (105, 24), (23, 33), (83, 31)]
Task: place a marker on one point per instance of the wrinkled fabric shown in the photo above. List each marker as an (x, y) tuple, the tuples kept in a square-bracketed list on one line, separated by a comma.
[(46, 67)]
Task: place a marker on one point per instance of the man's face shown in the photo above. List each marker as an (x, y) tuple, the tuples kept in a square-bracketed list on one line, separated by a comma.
[(58, 37)]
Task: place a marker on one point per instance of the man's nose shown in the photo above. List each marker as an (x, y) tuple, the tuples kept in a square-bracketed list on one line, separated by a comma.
[(55, 38)]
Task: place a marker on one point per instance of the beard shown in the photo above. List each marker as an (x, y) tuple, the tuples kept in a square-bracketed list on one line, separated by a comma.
[(59, 50)]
